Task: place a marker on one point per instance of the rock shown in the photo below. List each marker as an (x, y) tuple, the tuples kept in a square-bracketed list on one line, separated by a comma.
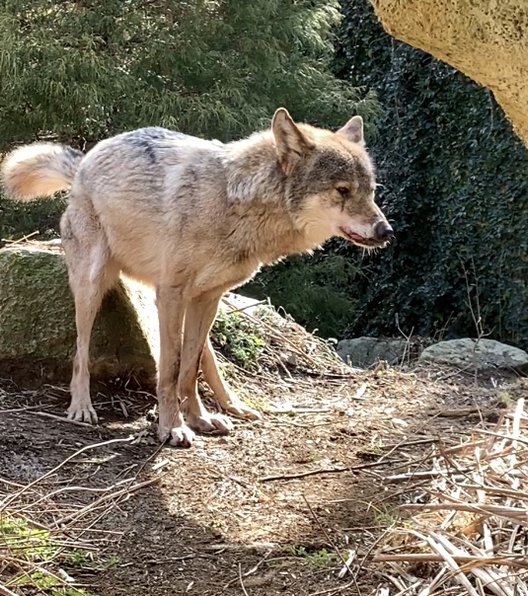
[(37, 321), (486, 40), (486, 354), (365, 351)]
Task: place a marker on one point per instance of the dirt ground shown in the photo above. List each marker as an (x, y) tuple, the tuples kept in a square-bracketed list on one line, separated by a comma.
[(267, 510)]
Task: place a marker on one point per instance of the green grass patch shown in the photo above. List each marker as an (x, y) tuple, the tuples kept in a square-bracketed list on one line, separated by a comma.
[(316, 558), (239, 338), (43, 561)]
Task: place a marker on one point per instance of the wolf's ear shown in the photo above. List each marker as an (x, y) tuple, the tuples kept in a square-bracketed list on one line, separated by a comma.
[(353, 130), (290, 141)]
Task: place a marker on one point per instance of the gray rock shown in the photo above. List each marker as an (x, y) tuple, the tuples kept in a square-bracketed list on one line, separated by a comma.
[(365, 351), (37, 321), (486, 354)]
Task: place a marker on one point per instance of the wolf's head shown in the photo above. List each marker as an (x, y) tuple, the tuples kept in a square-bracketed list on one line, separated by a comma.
[(330, 181)]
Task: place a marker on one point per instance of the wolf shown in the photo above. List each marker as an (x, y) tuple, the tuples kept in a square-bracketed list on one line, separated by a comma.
[(195, 218)]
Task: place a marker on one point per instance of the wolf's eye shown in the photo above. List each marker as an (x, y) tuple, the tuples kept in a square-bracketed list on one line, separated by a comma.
[(344, 191)]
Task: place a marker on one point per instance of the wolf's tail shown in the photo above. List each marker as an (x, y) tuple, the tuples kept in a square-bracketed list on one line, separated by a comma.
[(39, 170)]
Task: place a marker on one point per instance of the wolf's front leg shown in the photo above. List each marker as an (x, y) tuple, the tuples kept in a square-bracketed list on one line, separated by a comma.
[(199, 317), (171, 310), (224, 397)]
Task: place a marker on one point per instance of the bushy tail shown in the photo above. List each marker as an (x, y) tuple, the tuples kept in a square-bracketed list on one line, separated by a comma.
[(39, 170)]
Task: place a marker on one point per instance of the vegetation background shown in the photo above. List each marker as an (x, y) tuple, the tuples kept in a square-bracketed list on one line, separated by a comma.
[(454, 177)]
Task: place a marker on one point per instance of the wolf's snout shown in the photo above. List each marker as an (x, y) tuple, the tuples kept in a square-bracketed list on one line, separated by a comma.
[(383, 231)]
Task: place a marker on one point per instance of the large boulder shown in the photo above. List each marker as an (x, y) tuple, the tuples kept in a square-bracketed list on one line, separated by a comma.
[(487, 40), (484, 354), (365, 351), (37, 321)]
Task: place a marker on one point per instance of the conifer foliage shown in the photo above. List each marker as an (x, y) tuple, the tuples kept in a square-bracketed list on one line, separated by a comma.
[(85, 69)]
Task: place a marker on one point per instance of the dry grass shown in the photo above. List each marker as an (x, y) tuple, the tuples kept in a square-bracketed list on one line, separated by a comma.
[(468, 526), (49, 530)]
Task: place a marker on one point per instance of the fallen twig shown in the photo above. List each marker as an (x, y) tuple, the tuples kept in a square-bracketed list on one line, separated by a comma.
[(329, 470), (4, 591), (512, 561), (328, 537), (95, 505), (241, 580), (17, 495), (60, 418)]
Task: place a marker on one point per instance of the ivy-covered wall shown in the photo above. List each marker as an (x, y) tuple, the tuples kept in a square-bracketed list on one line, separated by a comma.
[(455, 184)]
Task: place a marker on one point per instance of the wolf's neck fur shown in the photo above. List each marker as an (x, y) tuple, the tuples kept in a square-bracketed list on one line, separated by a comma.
[(252, 170), (256, 192)]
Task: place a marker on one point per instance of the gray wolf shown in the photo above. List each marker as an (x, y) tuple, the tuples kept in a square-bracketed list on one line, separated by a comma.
[(195, 218)]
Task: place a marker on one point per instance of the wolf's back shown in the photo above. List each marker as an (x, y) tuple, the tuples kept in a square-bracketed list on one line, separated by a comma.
[(39, 170)]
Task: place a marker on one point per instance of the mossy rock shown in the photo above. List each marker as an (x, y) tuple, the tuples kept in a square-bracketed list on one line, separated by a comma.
[(37, 321)]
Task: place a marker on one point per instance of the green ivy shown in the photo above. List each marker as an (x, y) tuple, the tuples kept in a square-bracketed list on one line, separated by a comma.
[(455, 185)]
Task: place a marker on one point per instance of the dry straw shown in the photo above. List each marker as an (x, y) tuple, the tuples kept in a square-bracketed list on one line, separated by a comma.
[(48, 528), (468, 527)]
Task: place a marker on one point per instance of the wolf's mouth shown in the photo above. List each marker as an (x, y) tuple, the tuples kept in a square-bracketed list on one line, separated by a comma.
[(359, 240)]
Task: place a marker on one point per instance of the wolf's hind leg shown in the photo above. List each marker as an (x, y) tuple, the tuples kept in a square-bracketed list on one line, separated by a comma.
[(91, 273)]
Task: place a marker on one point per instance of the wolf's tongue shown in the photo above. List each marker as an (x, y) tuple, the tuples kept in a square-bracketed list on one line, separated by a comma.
[(356, 237), (352, 235)]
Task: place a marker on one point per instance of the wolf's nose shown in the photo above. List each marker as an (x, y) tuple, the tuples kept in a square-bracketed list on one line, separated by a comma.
[(383, 231)]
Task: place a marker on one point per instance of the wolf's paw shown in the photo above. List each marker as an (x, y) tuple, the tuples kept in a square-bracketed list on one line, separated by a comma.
[(207, 422), (238, 408), (82, 412), (178, 436)]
